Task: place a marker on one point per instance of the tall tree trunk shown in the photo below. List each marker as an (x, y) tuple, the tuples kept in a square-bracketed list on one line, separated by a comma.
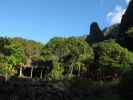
[(20, 72), (41, 74), (79, 71), (28, 63), (31, 74), (71, 70), (6, 76)]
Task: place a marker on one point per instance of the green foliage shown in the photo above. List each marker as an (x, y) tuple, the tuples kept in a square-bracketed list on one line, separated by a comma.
[(130, 32), (14, 52), (56, 72), (25, 49), (17, 55), (128, 38), (69, 57), (47, 55), (64, 46), (111, 57), (70, 52), (6, 69), (4, 46), (111, 53)]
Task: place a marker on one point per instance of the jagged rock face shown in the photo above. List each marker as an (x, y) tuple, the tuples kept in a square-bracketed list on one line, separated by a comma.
[(127, 19), (95, 30), (96, 34), (126, 24)]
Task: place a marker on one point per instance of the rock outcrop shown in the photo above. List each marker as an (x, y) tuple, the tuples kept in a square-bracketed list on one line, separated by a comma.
[(96, 35), (126, 24), (127, 19)]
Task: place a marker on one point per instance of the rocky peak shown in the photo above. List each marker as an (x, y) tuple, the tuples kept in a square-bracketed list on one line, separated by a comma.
[(95, 29), (127, 19), (96, 34)]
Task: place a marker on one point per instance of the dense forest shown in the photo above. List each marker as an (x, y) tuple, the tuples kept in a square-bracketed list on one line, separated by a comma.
[(101, 56)]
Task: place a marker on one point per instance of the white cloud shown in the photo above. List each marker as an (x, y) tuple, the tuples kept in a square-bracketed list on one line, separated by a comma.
[(127, 1), (115, 16)]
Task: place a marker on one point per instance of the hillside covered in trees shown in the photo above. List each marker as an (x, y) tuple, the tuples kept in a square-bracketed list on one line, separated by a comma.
[(102, 57)]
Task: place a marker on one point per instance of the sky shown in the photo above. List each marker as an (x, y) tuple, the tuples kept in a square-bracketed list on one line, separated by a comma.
[(41, 20)]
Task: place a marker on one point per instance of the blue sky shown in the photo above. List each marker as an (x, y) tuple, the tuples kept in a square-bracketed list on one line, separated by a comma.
[(41, 20)]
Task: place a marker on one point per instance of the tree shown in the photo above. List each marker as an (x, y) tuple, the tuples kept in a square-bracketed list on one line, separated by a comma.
[(56, 72), (26, 49), (111, 58), (15, 51), (4, 49), (70, 53), (6, 69), (17, 56)]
